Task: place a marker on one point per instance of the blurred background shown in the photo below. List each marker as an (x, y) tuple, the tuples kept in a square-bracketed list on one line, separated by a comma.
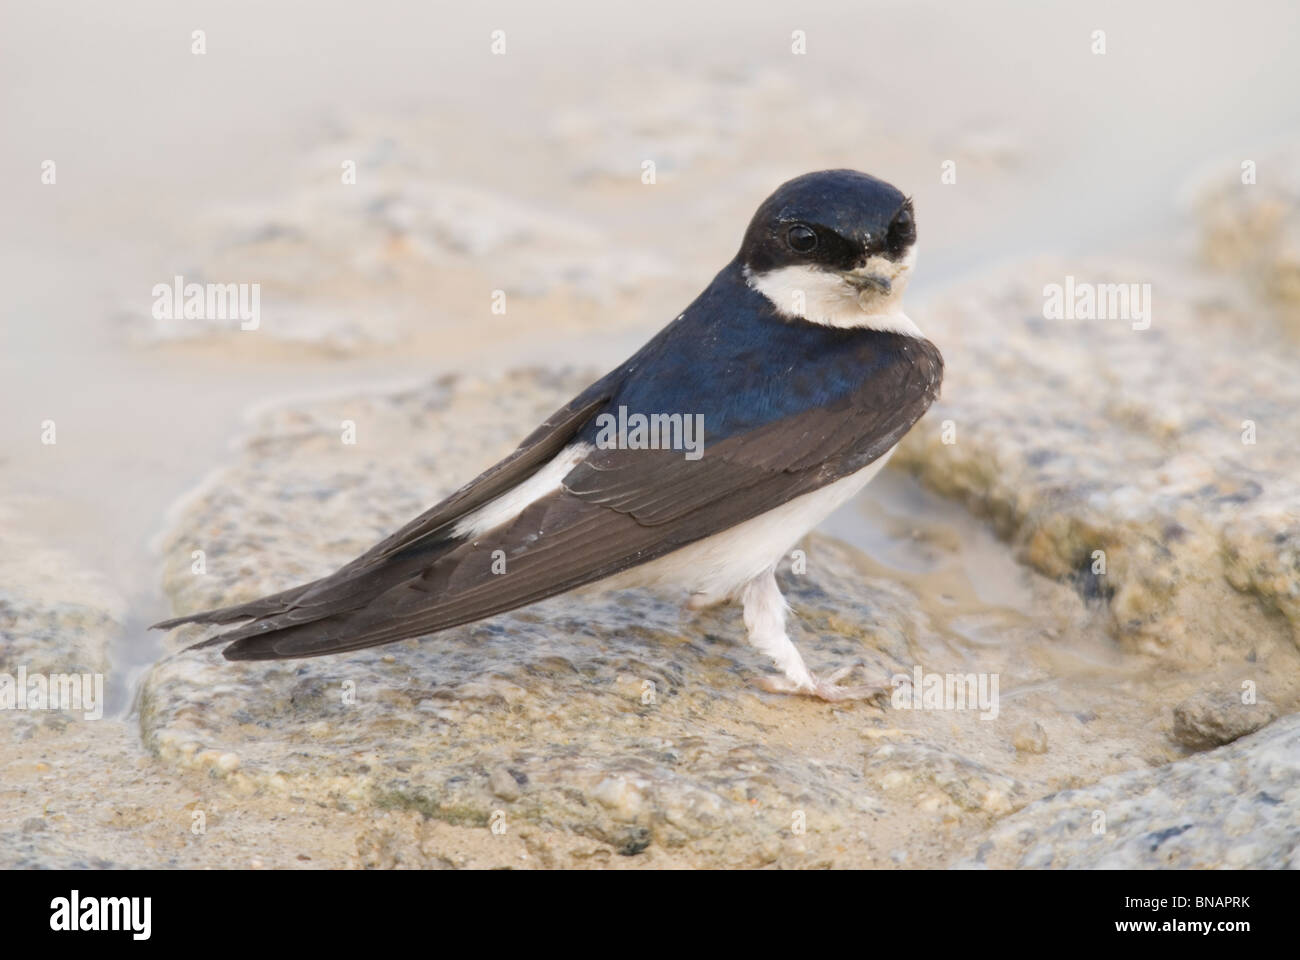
[(522, 173), (387, 173)]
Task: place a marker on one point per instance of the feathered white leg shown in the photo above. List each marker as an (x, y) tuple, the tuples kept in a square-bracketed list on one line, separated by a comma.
[(765, 611)]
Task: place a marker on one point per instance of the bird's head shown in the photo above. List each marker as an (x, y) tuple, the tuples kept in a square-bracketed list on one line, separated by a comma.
[(834, 247)]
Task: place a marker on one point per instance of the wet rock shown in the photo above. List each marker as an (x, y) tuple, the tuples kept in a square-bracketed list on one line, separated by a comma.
[(1234, 807), (1248, 215), (57, 620), (619, 718), (1214, 718), (618, 727), (1261, 557), (913, 768), (1147, 466), (504, 784), (1029, 738)]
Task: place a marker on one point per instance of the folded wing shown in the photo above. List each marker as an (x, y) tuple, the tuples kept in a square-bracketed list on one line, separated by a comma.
[(615, 509)]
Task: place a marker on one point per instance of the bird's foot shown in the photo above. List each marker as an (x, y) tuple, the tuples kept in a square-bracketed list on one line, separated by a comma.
[(827, 687)]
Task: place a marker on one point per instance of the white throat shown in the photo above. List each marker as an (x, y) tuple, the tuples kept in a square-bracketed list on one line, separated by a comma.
[(826, 297)]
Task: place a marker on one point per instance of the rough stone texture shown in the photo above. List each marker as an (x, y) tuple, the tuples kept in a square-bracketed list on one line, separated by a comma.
[(1253, 229), (56, 618), (1154, 452), (93, 798), (1030, 738), (601, 730), (619, 730), (615, 717), (1251, 232), (1235, 807), (1216, 717)]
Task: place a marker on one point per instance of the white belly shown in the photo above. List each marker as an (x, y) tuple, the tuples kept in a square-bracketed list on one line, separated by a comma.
[(716, 567)]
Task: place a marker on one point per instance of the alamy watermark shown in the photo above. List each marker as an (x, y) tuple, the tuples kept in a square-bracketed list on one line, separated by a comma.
[(76, 692), (75, 912), (1074, 300), (655, 431), (946, 691), (208, 301)]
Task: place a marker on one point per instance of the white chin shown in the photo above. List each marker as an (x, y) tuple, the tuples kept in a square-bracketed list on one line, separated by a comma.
[(869, 299), (827, 298)]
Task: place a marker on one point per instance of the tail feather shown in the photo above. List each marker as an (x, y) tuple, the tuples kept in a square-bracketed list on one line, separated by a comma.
[(406, 553), (261, 607), (346, 590)]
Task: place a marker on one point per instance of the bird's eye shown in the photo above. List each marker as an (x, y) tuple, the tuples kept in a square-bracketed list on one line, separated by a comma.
[(801, 239), (902, 231)]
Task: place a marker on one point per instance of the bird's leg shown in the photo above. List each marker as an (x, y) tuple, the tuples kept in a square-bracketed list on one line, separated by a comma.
[(765, 611)]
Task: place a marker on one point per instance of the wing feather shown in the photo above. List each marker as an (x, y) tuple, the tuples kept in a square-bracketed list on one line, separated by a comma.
[(411, 549), (617, 508)]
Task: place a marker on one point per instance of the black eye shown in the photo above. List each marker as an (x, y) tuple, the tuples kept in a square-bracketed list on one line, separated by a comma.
[(902, 232), (801, 239)]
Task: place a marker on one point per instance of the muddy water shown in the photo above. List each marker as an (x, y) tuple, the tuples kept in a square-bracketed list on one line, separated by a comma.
[(978, 598)]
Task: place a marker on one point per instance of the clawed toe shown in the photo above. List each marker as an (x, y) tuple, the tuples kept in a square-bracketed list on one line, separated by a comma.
[(833, 692), (826, 688), (775, 684)]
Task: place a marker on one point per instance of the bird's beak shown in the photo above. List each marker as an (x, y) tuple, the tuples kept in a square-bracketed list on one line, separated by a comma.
[(869, 282)]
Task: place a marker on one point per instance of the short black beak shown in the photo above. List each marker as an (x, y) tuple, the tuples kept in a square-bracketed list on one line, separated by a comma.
[(870, 281)]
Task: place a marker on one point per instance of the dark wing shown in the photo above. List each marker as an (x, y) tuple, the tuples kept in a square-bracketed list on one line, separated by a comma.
[(618, 508), (409, 549)]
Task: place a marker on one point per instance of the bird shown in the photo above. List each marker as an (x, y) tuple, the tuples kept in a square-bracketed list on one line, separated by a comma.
[(803, 371)]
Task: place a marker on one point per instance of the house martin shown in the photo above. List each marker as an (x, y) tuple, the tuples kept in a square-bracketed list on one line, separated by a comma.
[(696, 465)]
